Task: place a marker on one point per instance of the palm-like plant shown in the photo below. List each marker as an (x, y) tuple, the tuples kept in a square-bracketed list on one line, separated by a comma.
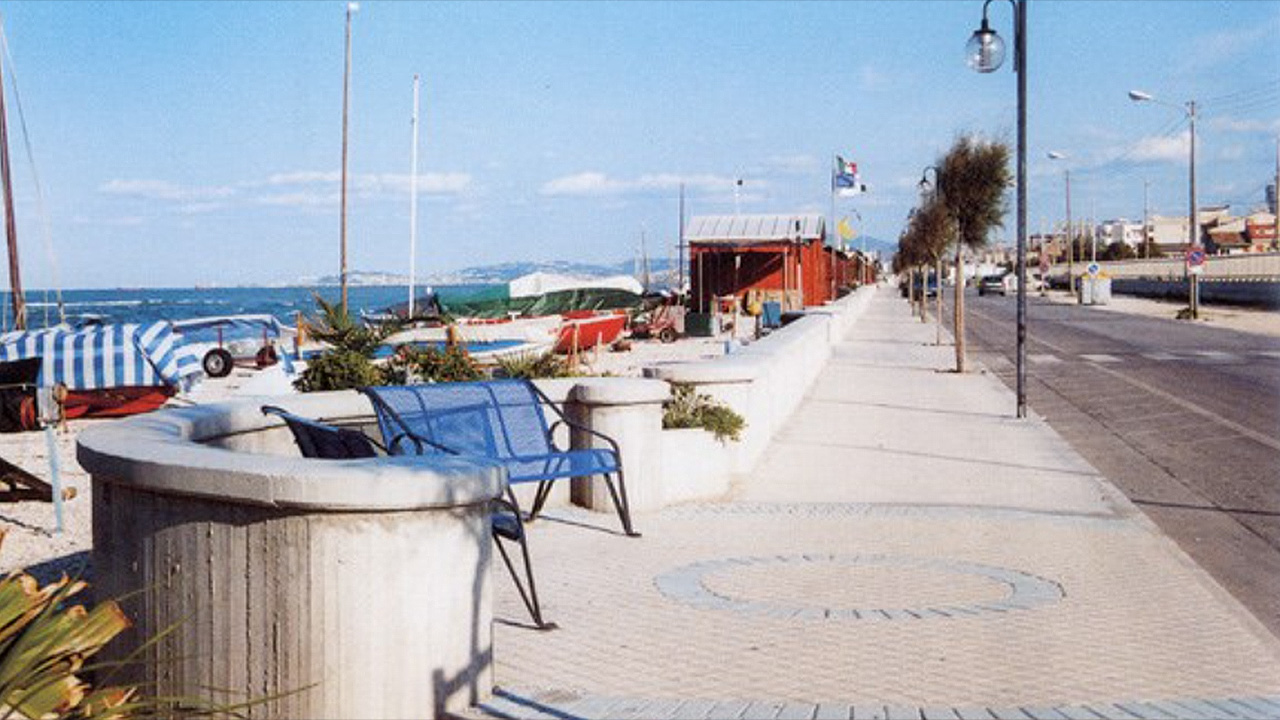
[(977, 173), (44, 643), (334, 326)]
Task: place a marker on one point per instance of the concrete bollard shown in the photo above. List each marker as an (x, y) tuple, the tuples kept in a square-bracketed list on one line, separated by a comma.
[(338, 588), (629, 410)]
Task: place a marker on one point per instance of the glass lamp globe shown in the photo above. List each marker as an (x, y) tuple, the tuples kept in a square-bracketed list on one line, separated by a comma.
[(985, 50)]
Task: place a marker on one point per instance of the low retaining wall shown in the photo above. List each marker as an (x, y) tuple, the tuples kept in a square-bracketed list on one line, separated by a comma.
[(350, 589), (764, 382)]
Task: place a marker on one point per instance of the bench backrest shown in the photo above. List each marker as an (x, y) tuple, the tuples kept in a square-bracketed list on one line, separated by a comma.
[(500, 419), (317, 440)]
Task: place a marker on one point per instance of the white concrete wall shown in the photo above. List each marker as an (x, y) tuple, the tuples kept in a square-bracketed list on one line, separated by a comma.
[(764, 382)]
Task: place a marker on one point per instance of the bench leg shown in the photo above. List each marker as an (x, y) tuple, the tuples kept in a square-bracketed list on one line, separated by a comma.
[(530, 596), (540, 498), (620, 503)]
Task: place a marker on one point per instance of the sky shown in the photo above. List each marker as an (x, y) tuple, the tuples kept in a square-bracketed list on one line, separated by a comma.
[(199, 143)]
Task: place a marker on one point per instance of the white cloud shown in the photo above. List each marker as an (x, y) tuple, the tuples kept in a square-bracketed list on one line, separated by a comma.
[(304, 177), (1264, 127), (373, 184), (301, 199), (1162, 149), (598, 184), (164, 190)]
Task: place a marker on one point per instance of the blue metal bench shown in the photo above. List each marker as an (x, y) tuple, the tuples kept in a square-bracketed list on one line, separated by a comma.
[(318, 440), (503, 420)]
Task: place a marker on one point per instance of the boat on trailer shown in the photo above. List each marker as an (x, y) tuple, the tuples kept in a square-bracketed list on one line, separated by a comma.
[(108, 370)]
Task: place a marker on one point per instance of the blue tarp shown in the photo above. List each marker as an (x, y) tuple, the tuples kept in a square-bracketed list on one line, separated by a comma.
[(105, 356)]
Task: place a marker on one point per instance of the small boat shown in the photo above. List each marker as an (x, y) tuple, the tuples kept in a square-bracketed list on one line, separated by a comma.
[(584, 330), (108, 370), (486, 341)]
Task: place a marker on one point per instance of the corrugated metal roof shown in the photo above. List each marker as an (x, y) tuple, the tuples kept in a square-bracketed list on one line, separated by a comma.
[(731, 229)]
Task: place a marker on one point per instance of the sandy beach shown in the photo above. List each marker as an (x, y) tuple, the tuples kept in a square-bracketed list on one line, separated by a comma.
[(32, 539)]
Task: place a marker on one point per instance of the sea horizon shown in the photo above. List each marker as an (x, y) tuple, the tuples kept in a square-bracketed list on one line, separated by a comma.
[(145, 304)]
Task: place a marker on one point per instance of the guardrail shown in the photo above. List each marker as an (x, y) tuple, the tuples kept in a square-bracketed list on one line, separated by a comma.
[(1248, 266)]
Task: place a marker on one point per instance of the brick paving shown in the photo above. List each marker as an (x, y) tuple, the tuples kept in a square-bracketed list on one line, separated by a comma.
[(905, 549)]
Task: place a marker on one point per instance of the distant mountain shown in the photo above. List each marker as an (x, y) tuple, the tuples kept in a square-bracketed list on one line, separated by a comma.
[(489, 274), (874, 244), (662, 271)]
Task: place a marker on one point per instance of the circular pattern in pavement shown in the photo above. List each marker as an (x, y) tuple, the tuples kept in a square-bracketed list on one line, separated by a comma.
[(856, 587)]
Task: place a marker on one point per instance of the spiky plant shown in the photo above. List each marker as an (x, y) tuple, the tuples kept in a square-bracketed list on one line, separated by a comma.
[(533, 365), (44, 644), (334, 326)]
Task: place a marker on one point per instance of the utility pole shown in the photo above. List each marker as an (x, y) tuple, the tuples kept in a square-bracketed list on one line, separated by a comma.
[(1275, 196), (1195, 214), (1146, 221), (1071, 242)]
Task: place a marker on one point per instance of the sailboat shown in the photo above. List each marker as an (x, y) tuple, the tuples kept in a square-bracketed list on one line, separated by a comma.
[(107, 370)]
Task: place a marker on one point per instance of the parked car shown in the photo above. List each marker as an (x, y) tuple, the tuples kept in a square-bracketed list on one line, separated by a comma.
[(998, 284), (931, 287)]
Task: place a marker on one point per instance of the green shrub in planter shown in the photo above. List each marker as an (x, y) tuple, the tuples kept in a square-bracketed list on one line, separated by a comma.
[(412, 365), (339, 370), (532, 366), (689, 409)]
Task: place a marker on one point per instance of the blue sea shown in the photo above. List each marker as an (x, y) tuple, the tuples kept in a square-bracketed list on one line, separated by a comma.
[(144, 305)]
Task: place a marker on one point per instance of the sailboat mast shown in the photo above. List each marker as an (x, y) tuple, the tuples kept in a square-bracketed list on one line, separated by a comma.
[(413, 199), (10, 226), (346, 96)]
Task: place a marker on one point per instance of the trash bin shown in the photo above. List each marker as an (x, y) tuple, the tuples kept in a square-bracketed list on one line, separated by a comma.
[(698, 324)]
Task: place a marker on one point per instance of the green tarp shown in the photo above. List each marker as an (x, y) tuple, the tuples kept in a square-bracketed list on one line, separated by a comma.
[(552, 303)]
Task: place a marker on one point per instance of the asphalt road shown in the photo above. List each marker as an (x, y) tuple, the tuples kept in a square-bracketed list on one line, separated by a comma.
[(1182, 416)]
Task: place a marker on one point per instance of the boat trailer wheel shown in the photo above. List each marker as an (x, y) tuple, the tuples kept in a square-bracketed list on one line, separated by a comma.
[(217, 363)]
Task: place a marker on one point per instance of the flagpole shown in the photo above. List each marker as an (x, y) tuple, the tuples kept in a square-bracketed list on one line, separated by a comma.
[(833, 197)]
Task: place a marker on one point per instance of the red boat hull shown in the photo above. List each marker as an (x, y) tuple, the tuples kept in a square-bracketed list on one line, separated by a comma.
[(114, 402), (584, 333)]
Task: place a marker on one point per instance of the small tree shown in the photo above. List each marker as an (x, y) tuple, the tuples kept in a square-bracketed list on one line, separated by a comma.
[(934, 226), (977, 173)]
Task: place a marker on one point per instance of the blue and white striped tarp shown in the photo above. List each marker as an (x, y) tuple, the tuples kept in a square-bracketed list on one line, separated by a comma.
[(104, 356)]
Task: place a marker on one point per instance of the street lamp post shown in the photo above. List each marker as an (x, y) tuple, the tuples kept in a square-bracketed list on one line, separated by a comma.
[(1193, 226), (937, 260), (985, 53)]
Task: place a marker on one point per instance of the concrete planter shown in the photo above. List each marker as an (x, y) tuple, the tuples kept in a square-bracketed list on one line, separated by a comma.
[(354, 588)]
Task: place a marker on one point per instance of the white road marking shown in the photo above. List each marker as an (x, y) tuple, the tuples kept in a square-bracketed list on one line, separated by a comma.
[(1101, 358)]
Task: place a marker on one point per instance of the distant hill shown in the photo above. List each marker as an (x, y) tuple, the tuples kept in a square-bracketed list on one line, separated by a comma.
[(662, 271), (490, 274)]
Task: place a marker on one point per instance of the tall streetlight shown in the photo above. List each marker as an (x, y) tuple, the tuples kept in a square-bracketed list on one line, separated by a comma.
[(1071, 244), (938, 192), (985, 53), (1193, 226)]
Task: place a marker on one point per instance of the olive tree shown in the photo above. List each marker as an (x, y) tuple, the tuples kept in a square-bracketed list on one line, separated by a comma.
[(976, 173)]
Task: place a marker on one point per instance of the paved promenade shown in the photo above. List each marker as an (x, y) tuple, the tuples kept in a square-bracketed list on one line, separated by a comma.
[(906, 549)]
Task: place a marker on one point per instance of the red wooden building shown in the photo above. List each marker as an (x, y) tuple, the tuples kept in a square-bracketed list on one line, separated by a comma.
[(781, 258)]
